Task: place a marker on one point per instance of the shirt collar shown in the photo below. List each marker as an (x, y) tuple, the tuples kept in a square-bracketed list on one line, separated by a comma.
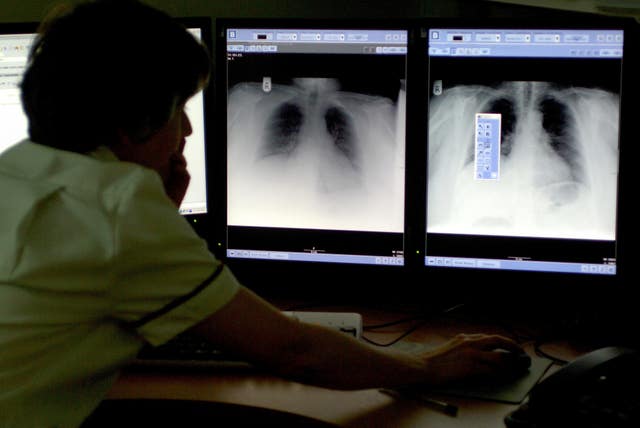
[(103, 153)]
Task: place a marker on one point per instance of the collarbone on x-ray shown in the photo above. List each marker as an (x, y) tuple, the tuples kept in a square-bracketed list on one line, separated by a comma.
[(313, 156), (558, 162)]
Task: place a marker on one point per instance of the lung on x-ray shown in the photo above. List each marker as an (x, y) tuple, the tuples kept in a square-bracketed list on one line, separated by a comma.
[(309, 155), (558, 165)]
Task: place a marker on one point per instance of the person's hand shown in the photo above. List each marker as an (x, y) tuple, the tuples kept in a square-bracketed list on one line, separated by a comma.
[(177, 179), (467, 356)]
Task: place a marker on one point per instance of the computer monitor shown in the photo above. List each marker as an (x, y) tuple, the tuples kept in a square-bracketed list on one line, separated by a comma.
[(526, 130), (15, 44), (314, 126)]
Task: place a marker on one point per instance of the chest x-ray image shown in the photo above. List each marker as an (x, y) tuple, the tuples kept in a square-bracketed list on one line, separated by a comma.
[(309, 155), (558, 163)]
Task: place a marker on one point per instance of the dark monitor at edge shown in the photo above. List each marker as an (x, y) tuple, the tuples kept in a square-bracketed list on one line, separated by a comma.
[(15, 44)]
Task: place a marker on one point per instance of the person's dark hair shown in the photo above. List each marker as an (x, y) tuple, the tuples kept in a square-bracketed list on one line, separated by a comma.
[(108, 67)]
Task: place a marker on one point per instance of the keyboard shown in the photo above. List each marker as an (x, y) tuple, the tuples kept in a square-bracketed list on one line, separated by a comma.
[(185, 351)]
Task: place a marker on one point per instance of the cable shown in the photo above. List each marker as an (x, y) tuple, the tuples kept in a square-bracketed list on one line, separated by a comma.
[(391, 323), (423, 320), (539, 352), (397, 339)]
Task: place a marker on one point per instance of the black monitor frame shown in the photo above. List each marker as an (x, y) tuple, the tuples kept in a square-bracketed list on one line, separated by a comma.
[(29, 27), (415, 281), (313, 278), (531, 287)]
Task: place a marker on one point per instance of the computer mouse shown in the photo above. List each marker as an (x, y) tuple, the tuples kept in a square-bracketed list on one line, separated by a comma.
[(518, 362)]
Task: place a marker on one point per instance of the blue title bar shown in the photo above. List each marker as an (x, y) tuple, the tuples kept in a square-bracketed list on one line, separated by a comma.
[(560, 43), (281, 35)]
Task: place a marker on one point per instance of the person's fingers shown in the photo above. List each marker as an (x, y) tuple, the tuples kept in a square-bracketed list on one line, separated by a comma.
[(179, 160), (178, 178)]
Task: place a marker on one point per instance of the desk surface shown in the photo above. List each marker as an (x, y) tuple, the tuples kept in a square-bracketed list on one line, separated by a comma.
[(364, 408)]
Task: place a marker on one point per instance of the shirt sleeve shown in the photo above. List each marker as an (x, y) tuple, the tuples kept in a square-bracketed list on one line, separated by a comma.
[(166, 279)]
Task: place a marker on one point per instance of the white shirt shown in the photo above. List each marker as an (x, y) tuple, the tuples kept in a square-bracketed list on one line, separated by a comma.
[(95, 261)]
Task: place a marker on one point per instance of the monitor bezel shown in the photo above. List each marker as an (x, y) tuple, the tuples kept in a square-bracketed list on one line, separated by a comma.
[(27, 27), (480, 284), (316, 276), (415, 281)]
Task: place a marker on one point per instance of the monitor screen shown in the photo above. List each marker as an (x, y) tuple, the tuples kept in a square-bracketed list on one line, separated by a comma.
[(15, 44), (524, 148), (315, 139)]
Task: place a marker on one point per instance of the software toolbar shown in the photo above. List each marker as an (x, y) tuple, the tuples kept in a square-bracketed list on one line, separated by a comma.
[(529, 43)]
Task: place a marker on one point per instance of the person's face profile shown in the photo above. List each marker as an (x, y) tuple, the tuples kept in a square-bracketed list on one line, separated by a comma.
[(158, 150), (167, 142)]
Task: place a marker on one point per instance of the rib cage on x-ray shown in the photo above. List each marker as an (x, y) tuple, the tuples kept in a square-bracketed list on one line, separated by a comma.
[(308, 155), (558, 162)]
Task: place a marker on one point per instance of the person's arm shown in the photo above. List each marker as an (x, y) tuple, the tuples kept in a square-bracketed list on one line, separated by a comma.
[(253, 329)]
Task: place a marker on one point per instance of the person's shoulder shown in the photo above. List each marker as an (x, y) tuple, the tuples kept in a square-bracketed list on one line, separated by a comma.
[(117, 182), (85, 176), (39, 162), (111, 171)]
